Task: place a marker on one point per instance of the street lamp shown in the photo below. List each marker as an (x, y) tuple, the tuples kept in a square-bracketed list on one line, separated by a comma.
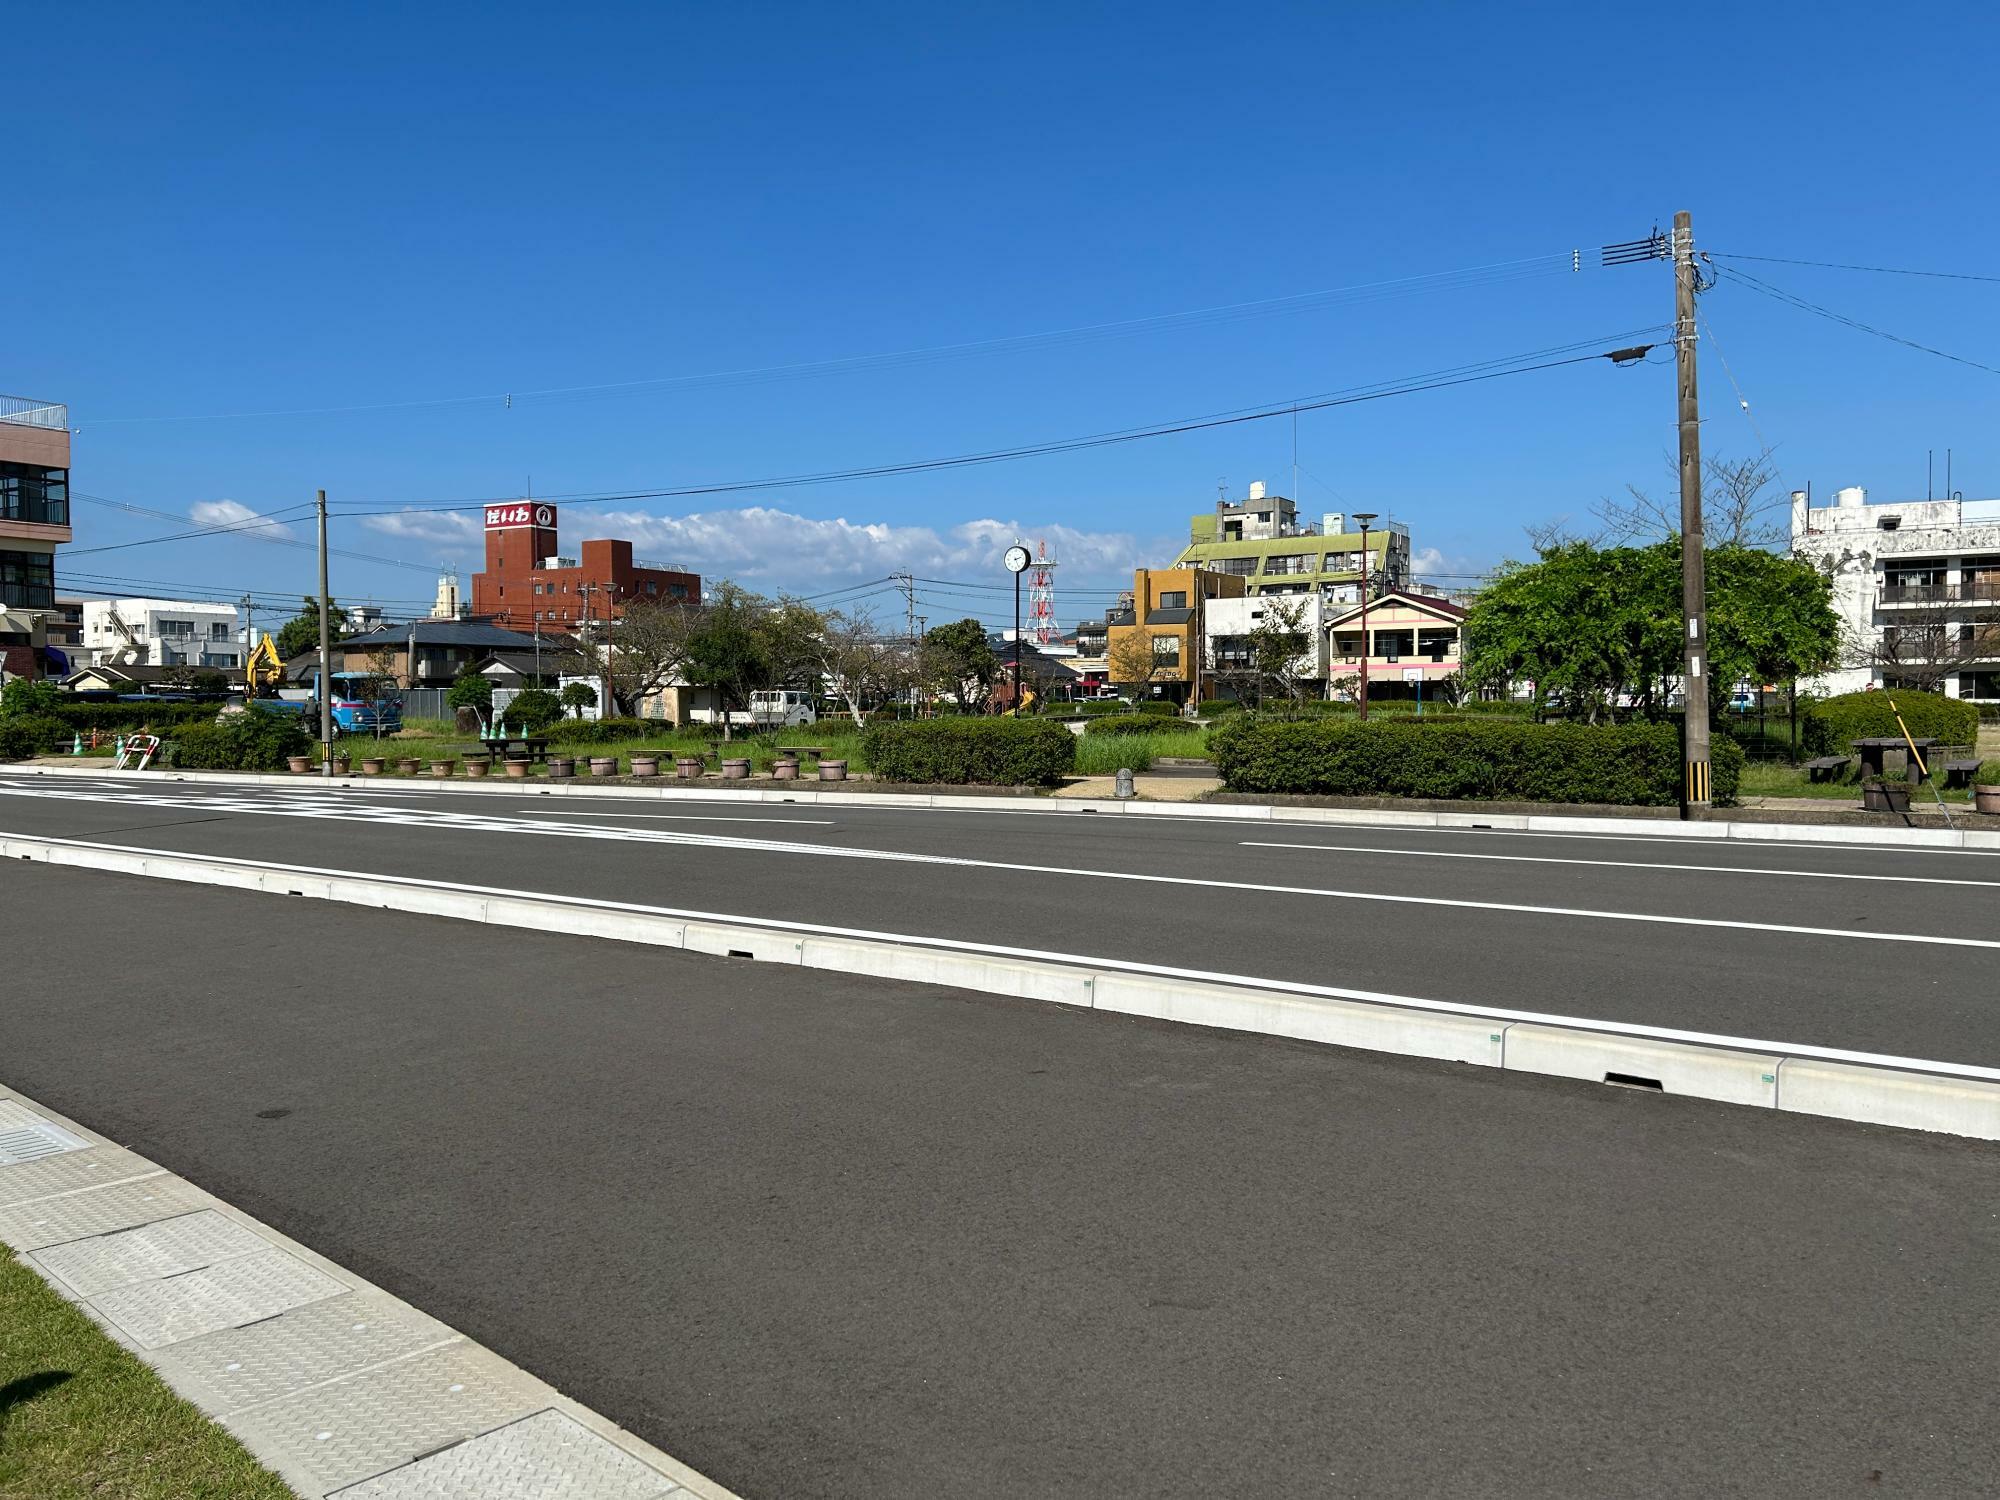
[(1364, 517)]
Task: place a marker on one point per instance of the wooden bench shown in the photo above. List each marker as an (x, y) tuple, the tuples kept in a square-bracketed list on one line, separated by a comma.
[(817, 752), (1961, 772), (1826, 767)]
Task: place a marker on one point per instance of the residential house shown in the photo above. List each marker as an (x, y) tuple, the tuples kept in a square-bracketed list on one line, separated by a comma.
[(441, 649), (1164, 624), (1415, 642), (162, 633), (1229, 628)]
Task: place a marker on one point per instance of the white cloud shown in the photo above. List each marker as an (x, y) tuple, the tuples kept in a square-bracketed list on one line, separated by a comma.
[(234, 513), (1452, 569), (777, 550)]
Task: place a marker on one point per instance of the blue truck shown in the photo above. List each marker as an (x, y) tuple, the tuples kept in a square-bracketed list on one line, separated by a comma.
[(363, 704)]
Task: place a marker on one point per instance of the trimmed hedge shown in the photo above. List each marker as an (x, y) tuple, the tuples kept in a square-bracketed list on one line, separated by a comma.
[(23, 735), (1159, 707), (116, 716), (1832, 725), (992, 752), (1127, 724), (241, 742), (1634, 765), (534, 709), (604, 731)]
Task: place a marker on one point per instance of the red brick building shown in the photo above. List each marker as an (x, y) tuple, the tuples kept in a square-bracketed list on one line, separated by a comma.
[(526, 581)]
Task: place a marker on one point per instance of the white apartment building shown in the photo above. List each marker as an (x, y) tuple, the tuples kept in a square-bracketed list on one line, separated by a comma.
[(161, 633), (1227, 624), (1917, 586)]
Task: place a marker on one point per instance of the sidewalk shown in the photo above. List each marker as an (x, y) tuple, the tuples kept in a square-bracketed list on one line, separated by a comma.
[(340, 1388)]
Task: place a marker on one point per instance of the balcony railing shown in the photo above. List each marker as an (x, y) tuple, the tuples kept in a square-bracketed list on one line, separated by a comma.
[(25, 412), (1977, 591)]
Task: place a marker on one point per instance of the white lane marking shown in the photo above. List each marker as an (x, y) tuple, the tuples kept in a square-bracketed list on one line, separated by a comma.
[(567, 812), (1051, 955), (475, 822), (1618, 864)]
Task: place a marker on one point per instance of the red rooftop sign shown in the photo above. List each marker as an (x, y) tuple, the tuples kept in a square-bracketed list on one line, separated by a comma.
[(521, 513)]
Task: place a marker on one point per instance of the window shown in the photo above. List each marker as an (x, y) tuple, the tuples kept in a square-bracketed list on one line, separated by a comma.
[(1289, 562), (1166, 652), (29, 492), (27, 580), (1174, 599), (1394, 644), (1242, 567), (176, 630), (1347, 645), (221, 630), (1437, 644), (1343, 562)]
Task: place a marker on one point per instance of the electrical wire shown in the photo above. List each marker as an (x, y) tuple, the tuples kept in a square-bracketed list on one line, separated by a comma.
[(267, 536), (250, 523), (1742, 401), (1781, 295), (1834, 265)]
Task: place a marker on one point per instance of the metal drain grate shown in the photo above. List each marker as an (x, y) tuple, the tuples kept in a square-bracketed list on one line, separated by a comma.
[(31, 1142)]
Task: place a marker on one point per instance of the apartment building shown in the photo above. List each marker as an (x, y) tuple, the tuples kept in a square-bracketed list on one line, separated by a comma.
[(34, 521), (1155, 643), (1262, 541), (161, 633), (1916, 584), (1228, 628)]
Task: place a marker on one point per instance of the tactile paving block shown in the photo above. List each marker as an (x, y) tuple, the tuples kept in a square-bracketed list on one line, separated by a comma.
[(149, 1252), (95, 1211), (228, 1294), (322, 1341), (383, 1418), (68, 1171), (548, 1456)]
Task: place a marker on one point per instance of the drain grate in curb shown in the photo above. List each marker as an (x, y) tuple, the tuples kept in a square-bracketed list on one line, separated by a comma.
[(1634, 1081), (25, 1136)]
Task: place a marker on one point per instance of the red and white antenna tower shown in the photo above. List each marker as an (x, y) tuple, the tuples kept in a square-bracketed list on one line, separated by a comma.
[(1041, 627)]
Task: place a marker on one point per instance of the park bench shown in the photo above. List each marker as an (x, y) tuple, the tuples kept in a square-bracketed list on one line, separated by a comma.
[(1826, 767), (817, 752), (1961, 772)]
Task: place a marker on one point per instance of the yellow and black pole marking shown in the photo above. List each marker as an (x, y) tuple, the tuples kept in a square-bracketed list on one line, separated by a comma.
[(1697, 781)]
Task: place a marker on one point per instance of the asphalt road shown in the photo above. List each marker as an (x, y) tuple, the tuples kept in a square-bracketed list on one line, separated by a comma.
[(821, 1236), (1873, 949)]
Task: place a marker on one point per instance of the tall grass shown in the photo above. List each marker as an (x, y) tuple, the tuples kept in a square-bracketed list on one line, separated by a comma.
[(1105, 755)]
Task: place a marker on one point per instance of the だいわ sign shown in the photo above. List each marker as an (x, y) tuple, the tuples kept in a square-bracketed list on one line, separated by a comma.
[(520, 513)]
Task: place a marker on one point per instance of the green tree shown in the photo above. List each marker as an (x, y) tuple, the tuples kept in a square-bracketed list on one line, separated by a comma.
[(576, 697), (25, 696), (470, 690), (534, 709), (958, 658), (301, 632), (726, 652)]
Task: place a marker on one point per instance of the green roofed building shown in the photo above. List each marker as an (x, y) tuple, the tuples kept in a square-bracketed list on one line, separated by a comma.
[(1262, 541)]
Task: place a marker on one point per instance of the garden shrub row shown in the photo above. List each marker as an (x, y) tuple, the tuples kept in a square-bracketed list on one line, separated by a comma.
[(241, 742), (1635, 765), (116, 717), (24, 735), (604, 731), (1832, 725), (991, 752)]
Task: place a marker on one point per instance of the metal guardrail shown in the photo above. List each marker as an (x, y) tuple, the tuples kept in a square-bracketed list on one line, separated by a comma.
[(25, 412)]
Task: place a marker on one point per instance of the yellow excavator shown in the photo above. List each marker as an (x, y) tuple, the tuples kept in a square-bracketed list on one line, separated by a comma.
[(264, 671)]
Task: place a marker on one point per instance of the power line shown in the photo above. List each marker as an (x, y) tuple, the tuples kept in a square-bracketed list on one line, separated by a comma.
[(1469, 374), (1782, 295), (265, 524), (1562, 262), (250, 523), (1834, 265)]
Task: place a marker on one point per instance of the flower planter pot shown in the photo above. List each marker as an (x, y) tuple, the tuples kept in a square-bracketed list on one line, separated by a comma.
[(687, 767), (1986, 799), (298, 765), (518, 769), (833, 770), (1886, 796), (604, 765), (645, 765), (373, 766), (443, 767), (562, 765), (340, 765), (409, 765), (477, 767), (785, 770), (736, 770)]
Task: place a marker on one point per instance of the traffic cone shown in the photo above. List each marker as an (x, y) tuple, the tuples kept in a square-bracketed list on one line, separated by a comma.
[(118, 747), (76, 745)]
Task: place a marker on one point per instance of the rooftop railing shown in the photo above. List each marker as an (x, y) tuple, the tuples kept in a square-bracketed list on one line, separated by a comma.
[(23, 412)]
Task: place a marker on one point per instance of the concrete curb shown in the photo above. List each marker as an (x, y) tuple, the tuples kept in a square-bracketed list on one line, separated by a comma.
[(340, 1388), (807, 794), (1874, 1088)]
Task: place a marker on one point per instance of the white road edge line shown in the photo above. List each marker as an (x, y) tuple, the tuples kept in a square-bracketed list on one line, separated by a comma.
[(1880, 1088), (1618, 864)]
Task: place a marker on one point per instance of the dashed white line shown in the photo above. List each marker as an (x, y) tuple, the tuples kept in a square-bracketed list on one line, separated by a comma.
[(1618, 864)]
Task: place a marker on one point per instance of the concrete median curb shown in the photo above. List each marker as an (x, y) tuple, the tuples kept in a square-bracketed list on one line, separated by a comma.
[(810, 794), (1914, 1093)]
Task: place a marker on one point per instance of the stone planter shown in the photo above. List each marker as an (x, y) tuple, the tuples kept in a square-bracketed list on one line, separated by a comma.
[(340, 765), (373, 765), (736, 770), (645, 765), (687, 767), (785, 770), (443, 767), (477, 767), (1986, 799), (298, 765), (562, 765), (518, 769), (833, 770), (604, 765), (1885, 796), (409, 765)]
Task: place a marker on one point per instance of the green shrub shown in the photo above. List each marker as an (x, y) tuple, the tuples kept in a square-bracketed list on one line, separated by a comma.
[(115, 716), (993, 752), (1832, 725), (241, 742), (1127, 724), (23, 735), (470, 690), (1446, 758), (1215, 708), (1158, 706), (534, 709), (1095, 706), (1988, 773), (603, 731), (26, 697)]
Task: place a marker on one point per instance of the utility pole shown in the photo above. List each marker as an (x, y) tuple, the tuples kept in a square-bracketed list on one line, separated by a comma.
[(325, 653), (1364, 517), (249, 642), (1695, 792)]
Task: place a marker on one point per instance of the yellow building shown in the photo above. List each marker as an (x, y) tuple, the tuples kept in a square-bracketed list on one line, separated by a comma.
[(1163, 625)]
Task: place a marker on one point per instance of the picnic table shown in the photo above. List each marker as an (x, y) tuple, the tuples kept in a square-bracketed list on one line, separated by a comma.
[(1874, 753), (817, 752), (508, 747)]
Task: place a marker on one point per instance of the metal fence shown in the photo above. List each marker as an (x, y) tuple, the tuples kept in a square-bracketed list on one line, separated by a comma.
[(30, 413), (425, 703)]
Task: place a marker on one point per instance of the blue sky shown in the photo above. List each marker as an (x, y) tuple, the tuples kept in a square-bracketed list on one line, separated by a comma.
[(253, 209)]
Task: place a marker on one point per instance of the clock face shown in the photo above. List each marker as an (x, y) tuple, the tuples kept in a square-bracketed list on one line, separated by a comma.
[(1017, 559)]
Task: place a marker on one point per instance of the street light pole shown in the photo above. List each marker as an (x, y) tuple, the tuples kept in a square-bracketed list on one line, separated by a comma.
[(1364, 517), (1695, 794)]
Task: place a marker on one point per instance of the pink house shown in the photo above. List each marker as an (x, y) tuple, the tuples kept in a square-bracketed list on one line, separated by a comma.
[(1413, 639)]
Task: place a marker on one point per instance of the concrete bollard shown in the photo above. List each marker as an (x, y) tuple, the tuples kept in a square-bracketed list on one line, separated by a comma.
[(1123, 786)]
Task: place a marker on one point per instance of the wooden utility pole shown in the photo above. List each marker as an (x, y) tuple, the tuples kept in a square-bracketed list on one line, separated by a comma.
[(1695, 790), (325, 653)]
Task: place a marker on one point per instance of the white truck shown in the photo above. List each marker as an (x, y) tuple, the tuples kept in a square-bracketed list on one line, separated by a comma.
[(781, 708)]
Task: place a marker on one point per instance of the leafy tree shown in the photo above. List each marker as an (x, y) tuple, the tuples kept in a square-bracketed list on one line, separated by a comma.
[(846, 653), (301, 632), (646, 649), (25, 696), (470, 690), (725, 652), (534, 709), (576, 697), (961, 662), (1276, 656), (1132, 661)]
